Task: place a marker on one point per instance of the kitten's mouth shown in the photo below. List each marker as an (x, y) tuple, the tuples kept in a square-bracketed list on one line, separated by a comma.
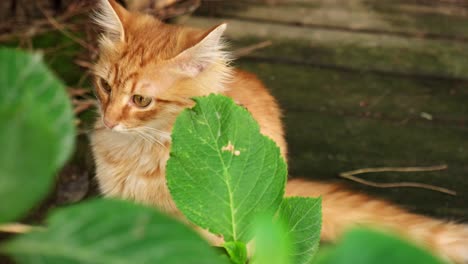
[(120, 128), (117, 128), (147, 133)]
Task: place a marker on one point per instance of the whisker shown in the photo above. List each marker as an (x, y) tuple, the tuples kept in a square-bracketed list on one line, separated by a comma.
[(148, 137), (155, 129), (153, 138), (143, 136), (156, 132)]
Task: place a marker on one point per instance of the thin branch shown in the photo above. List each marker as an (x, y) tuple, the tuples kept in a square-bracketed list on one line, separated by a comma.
[(83, 105), (163, 3), (16, 228), (39, 26), (55, 49), (249, 49), (62, 30), (85, 64), (77, 91), (350, 176), (178, 8)]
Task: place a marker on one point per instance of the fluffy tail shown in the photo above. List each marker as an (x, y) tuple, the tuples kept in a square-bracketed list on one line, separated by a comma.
[(343, 209)]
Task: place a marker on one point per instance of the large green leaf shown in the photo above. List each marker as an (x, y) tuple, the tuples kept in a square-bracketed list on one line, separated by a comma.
[(222, 171), (304, 220), (111, 231), (370, 247), (273, 243), (36, 131)]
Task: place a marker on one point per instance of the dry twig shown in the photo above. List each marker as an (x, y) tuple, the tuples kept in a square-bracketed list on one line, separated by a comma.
[(40, 26), (350, 176), (83, 105), (85, 64), (163, 3), (62, 30), (16, 228), (77, 91), (177, 8), (249, 49)]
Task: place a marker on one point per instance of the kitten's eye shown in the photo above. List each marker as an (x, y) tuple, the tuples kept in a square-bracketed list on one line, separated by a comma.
[(106, 86), (141, 101)]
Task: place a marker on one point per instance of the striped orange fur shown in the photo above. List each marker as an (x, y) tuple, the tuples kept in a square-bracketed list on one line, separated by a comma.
[(169, 64)]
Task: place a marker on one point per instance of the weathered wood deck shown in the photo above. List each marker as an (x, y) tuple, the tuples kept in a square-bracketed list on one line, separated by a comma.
[(365, 83)]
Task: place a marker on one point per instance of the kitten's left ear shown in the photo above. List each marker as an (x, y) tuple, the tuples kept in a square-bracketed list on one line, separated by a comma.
[(194, 60), (111, 17)]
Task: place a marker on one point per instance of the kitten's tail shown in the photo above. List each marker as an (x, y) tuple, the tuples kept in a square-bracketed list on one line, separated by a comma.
[(343, 209)]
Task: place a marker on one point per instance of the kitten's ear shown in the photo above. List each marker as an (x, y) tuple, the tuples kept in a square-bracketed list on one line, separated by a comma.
[(208, 50), (111, 17)]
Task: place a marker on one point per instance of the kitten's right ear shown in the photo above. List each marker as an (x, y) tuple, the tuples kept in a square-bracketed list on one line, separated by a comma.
[(208, 50), (111, 17)]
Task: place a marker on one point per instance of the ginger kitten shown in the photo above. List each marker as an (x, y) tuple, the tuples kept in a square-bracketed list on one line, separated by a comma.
[(145, 75)]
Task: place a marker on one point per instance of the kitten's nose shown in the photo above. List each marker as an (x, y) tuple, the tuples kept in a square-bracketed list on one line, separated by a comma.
[(109, 124)]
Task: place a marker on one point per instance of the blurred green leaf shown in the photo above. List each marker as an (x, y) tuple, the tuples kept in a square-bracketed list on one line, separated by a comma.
[(222, 171), (36, 133), (237, 252), (369, 247), (304, 220), (111, 231), (272, 242)]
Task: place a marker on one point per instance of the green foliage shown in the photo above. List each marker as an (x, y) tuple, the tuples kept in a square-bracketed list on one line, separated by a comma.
[(36, 132), (111, 231), (368, 247), (237, 251), (222, 174), (273, 243), (304, 220), (222, 166)]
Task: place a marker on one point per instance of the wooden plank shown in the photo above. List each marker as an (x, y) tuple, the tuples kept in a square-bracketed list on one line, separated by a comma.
[(329, 130), (355, 50), (356, 99), (409, 18), (323, 146), (369, 96)]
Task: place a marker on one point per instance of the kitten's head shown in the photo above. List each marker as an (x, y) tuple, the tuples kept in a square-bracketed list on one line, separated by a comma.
[(147, 71)]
